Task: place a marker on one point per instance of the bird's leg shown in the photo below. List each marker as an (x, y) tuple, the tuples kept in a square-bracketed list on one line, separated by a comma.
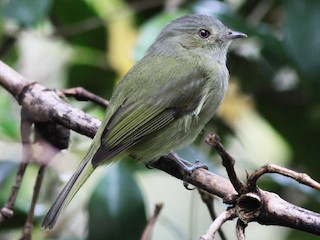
[(186, 167)]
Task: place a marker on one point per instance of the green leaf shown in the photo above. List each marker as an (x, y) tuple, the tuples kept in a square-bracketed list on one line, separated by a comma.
[(116, 208), (8, 121), (94, 79), (27, 13), (84, 27), (302, 37)]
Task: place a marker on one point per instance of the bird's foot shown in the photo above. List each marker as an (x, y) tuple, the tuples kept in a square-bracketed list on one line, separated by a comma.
[(186, 167)]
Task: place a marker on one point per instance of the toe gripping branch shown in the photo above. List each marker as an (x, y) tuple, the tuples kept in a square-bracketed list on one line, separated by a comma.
[(186, 168)]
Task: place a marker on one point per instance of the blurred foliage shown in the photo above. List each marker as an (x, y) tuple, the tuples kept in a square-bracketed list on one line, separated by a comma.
[(27, 13), (8, 127), (277, 68), (109, 211), (67, 22)]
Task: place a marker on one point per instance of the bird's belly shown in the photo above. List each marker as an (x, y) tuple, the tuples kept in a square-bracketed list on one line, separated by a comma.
[(178, 134), (170, 138)]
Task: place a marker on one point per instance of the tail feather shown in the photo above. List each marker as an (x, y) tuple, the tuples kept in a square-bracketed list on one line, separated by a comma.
[(77, 180)]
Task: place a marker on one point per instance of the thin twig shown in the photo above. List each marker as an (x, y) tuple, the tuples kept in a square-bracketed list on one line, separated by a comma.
[(227, 161), (82, 94), (222, 218), (27, 229), (152, 220), (273, 168), (25, 129), (208, 199)]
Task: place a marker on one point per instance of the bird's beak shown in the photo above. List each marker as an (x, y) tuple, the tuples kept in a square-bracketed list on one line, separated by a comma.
[(234, 35)]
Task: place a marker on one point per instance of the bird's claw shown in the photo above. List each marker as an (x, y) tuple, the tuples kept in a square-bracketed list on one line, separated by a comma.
[(149, 166), (189, 170)]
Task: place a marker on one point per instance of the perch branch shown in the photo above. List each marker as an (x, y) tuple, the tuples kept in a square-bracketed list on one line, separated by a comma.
[(42, 104)]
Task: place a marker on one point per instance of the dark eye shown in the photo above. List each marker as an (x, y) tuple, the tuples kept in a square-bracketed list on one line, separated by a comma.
[(203, 33)]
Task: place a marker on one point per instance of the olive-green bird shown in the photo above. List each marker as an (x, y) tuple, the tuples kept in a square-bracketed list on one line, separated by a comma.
[(163, 102)]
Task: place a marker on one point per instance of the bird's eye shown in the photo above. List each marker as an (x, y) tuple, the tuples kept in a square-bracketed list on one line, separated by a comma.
[(203, 33)]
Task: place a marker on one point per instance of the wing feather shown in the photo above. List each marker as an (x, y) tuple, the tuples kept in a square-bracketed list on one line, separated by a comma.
[(129, 134), (130, 124)]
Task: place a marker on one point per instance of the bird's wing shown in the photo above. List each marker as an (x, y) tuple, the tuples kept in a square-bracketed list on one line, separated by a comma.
[(125, 131), (135, 119)]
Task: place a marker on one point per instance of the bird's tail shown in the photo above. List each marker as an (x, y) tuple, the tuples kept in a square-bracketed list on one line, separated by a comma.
[(77, 180)]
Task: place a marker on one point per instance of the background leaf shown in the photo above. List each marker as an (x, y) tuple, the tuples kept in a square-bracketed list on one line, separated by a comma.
[(302, 38), (64, 14), (26, 13), (116, 208)]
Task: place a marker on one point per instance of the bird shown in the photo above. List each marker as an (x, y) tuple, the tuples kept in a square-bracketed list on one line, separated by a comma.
[(162, 103)]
